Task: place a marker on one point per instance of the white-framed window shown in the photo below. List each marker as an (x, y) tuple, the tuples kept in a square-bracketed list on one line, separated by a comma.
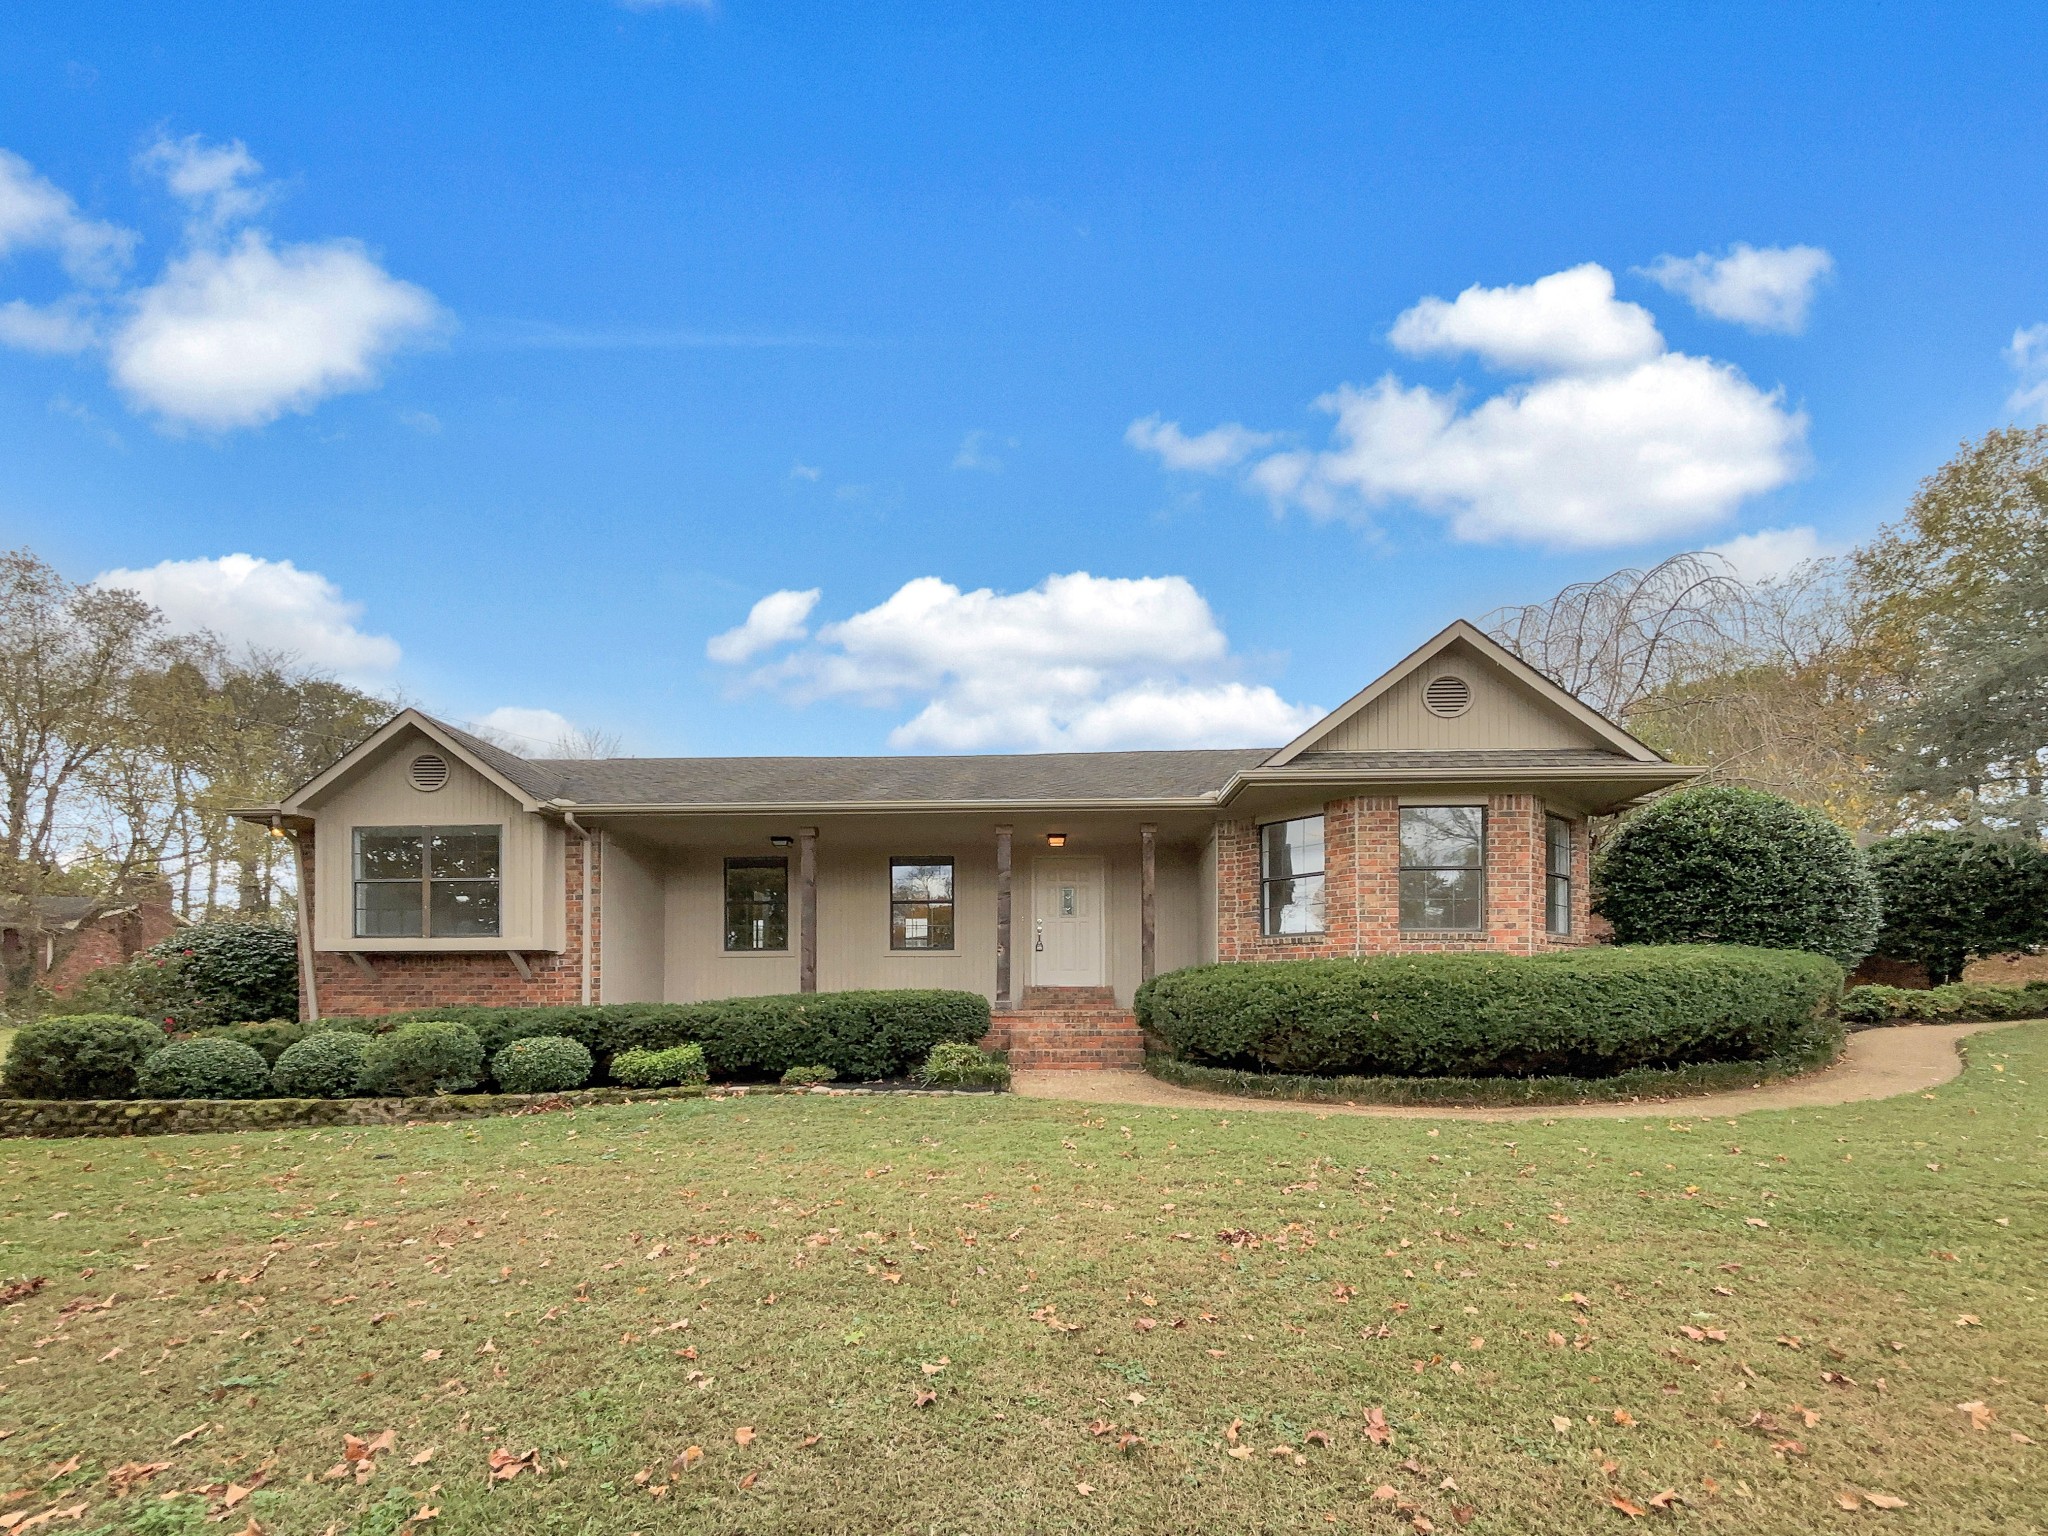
[(1443, 867), (1291, 876), (920, 903), (1557, 875), (757, 903), (426, 882)]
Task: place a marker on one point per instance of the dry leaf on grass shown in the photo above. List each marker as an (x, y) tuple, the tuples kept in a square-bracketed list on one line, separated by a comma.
[(1980, 1414), (689, 1457), (506, 1464), (1377, 1430)]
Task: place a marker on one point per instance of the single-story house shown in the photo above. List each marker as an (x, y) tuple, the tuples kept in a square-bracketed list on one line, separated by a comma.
[(59, 940), (1444, 807)]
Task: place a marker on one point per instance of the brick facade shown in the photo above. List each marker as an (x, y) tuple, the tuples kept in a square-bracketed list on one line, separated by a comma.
[(1361, 886), (59, 957), (398, 983)]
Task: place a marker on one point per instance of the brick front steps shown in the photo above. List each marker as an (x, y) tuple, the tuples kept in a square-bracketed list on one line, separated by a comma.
[(1068, 1028)]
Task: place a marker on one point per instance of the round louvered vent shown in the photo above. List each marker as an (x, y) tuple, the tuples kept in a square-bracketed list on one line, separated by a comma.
[(1447, 695), (429, 771)]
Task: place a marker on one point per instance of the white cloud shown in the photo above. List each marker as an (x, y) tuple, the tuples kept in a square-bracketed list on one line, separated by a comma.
[(2028, 355), (35, 215), (809, 472), (1207, 452), (1766, 290), (1567, 322), (523, 729), (1617, 441), (237, 329), (267, 605), (973, 454), (1078, 662), (236, 337), (1771, 552), (775, 620)]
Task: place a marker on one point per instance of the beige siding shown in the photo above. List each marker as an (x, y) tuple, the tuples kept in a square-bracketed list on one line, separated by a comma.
[(630, 926), (1178, 886), (530, 867), (694, 960), (1503, 715)]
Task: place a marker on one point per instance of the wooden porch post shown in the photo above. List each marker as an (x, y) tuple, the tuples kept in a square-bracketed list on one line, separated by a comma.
[(807, 909), (1003, 998), (1147, 913)]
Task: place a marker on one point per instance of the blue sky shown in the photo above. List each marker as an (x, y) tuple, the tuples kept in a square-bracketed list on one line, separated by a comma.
[(544, 341)]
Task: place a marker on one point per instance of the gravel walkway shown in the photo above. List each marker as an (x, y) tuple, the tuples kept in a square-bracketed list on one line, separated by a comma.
[(1878, 1064)]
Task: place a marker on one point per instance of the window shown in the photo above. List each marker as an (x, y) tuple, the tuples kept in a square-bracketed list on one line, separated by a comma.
[(920, 903), (1557, 874), (756, 904), (1443, 866), (1291, 876), (426, 882)]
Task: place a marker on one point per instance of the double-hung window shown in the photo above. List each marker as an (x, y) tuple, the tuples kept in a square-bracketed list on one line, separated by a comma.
[(426, 882), (1291, 876), (920, 903), (1557, 874), (757, 904), (1443, 867)]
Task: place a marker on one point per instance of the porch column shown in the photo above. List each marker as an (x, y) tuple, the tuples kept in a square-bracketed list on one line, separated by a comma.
[(807, 909), (1003, 919), (1147, 913)]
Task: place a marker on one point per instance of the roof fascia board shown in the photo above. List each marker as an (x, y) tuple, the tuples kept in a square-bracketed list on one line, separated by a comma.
[(876, 807), (1493, 651), (426, 725)]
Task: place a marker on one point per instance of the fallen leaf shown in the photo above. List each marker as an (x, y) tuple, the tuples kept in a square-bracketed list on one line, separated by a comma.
[(424, 1457), (1980, 1414), (191, 1434), (808, 1441), (1377, 1430), (1624, 1418), (1663, 1501), (432, 1354), (1621, 1502), (1561, 1424), (1084, 1489), (923, 1398), (1316, 1437), (506, 1464), (691, 1455), (130, 1473), (1885, 1501), (744, 1435), (749, 1480)]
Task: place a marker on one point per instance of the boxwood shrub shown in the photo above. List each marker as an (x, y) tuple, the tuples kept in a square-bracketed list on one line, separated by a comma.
[(423, 1057), (859, 1035), (326, 1065), (959, 1064), (673, 1068), (1958, 1003), (203, 1069), (1581, 1013), (80, 1056), (541, 1064)]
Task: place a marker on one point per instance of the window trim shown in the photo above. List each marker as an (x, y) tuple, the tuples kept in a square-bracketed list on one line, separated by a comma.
[(1402, 866), (1268, 879), (751, 861), (951, 904), (1553, 878), (425, 881)]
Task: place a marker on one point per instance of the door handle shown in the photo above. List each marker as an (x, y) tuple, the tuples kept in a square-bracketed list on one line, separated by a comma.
[(1038, 943)]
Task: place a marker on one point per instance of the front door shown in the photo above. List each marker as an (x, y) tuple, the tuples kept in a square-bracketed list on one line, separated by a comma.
[(1066, 923)]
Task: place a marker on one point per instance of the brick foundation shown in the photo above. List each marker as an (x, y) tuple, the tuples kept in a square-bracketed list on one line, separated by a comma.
[(1362, 880), (402, 983)]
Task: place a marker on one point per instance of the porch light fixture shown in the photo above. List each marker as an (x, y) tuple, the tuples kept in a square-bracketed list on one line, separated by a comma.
[(1055, 839), (783, 842)]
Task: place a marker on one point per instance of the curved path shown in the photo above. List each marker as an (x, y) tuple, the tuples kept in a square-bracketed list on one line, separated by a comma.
[(1877, 1064)]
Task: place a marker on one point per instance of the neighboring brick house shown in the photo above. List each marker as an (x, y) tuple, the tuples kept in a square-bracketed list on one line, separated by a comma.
[(62, 938), (1444, 807)]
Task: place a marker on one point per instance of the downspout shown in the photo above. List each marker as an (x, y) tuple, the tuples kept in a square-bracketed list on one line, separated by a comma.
[(569, 817), (305, 922)]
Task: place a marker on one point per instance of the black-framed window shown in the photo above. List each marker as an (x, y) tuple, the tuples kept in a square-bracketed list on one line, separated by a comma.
[(1557, 874), (1291, 876), (426, 882), (1443, 866), (920, 903), (757, 904)]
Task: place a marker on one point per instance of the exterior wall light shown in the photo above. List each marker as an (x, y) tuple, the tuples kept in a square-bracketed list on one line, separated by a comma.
[(783, 842), (1055, 839)]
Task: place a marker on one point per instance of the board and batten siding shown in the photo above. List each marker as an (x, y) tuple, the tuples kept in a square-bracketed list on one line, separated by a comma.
[(529, 852), (1503, 715), (632, 927)]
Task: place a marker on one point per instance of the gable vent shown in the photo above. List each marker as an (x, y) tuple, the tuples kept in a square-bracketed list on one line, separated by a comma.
[(429, 771), (1447, 695)]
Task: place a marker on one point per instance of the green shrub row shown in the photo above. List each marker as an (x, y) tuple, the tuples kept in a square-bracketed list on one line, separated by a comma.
[(1960, 1002), (673, 1068), (1580, 1013)]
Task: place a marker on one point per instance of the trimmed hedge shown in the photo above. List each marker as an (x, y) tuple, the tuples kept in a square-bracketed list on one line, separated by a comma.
[(1960, 1002), (80, 1056), (203, 1069), (542, 1064), (859, 1035), (1582, 1013), (327, 1065), (425, 1056), (235, 970), (673, 1068)]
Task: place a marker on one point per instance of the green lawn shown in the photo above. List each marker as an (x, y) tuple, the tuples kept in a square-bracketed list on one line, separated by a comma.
[(779, 1281)]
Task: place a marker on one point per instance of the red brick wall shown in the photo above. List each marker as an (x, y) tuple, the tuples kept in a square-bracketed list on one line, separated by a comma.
[(398, 983), (109, 940), (1361, 886)]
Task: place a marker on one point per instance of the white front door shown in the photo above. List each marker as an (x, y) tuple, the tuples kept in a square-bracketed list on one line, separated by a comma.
[(1066, 923)]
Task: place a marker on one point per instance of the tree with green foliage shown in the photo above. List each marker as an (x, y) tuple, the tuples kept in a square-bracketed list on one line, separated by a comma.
[(1950, 898), (1720, 865)]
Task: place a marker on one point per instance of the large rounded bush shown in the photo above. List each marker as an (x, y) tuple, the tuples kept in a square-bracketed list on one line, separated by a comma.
[(1950, 898), (1584, 1013), (1736, 866), (234, 971), (430, 1056), (542, 1064), (328, 1065), (203, 1069), (80, 1056)]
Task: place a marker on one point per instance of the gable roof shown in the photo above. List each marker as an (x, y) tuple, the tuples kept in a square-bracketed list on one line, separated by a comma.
[(1457, 632), (514, 775)]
